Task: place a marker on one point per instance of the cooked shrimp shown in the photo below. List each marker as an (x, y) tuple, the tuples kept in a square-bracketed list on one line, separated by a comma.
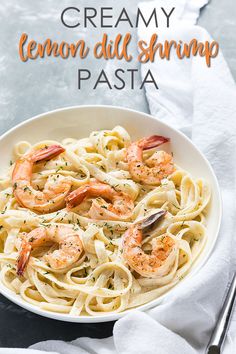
[(119, 208), (153, 170), (55, 190), (163, 252), (70, 246)]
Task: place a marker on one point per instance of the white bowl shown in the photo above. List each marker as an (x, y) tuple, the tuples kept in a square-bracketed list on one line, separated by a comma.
[(78, 122)]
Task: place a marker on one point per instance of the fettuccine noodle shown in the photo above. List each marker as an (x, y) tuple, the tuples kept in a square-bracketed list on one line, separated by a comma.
[(100, 281)]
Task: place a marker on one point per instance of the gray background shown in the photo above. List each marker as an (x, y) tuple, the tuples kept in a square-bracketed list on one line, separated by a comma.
[(38, 86)]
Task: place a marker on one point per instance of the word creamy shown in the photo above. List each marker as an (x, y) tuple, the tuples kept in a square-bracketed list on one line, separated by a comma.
[(103, 17)]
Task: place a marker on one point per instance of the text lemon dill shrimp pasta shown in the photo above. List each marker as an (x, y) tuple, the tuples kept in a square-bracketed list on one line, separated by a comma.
[(100, 224)]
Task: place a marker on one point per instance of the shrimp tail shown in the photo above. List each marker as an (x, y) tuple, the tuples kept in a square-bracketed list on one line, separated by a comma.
[(23, 257), (47, 153), (153, 141), (151, 221), (76, 197)]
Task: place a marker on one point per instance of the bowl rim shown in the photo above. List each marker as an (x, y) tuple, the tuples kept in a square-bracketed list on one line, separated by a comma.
[(113, 316)]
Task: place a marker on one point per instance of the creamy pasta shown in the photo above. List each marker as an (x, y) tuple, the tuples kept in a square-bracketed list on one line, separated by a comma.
[(101, 280)]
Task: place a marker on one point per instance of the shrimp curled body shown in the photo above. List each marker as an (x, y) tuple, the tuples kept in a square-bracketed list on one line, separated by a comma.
[(70, 246), (154, 169), (55, 190), (158, 263), (111, 205)]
